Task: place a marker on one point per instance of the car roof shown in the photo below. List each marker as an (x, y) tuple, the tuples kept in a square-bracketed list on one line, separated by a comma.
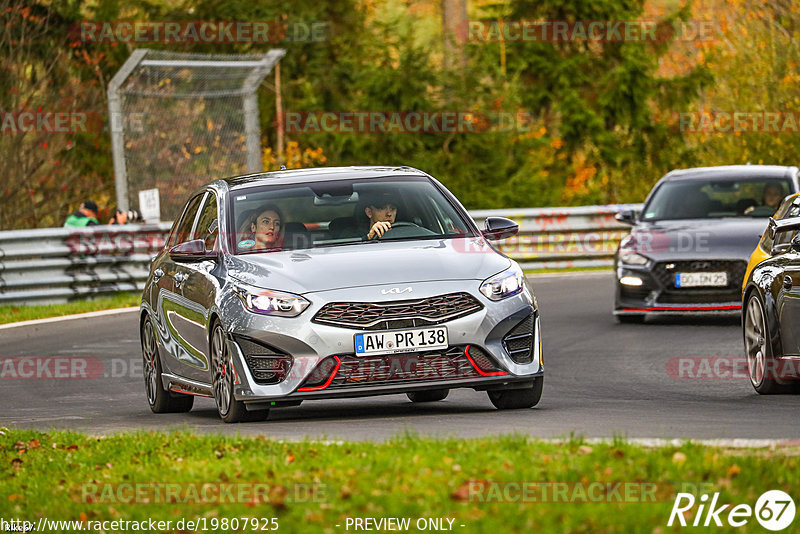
[(731, 171), (318, 174)]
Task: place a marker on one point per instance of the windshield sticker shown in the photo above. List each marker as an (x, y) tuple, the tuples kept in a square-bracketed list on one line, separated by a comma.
[(241, 197), (247, 243)]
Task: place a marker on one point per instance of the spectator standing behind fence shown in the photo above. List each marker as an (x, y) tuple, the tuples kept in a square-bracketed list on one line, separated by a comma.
[(85, 216)]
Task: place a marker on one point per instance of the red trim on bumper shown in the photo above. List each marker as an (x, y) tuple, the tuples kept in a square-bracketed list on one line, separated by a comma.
[(179, 390), (685, 308), (330, 378), (482, 373)]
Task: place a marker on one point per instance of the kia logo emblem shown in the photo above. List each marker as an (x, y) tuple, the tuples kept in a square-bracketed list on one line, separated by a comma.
[(396, 291)]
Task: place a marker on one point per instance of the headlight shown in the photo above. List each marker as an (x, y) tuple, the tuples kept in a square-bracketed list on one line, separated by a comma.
[(632, 258), (268, 302), (503, 285)]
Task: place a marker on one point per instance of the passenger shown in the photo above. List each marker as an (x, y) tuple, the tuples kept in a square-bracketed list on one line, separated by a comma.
[(773, 194), (265, 230)]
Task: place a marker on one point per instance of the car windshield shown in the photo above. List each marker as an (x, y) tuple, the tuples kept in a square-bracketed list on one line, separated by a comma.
[(716, 198), (332, 213)]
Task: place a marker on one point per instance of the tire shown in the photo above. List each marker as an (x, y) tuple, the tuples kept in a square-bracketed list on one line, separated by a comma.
[(160, 399), (631, 319), (515, 399), (758, 349), (230, 409), (428, 396)]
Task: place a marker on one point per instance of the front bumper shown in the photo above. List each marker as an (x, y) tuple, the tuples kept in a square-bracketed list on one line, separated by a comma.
[(309, 344), (658, 294)]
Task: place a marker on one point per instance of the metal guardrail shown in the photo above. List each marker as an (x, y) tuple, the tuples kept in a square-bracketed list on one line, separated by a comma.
[(562, 238), (53, 265)]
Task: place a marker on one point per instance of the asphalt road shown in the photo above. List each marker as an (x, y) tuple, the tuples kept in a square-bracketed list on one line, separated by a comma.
[(603, 379)]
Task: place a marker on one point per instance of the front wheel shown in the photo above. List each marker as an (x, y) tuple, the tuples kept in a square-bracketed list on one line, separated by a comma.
[(160, 399), (230, 409), (758, 349), (515, 399)]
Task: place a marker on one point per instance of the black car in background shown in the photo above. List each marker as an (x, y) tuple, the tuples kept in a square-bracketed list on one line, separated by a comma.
[(771, 312), (688, 249)]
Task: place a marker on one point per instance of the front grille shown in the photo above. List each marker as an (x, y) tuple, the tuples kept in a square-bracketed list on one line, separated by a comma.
[(700, 297), (450, 364), (666, 277), (267, 364), (519, 341), (398, 314)]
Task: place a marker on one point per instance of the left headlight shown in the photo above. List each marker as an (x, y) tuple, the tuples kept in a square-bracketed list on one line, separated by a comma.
[(269, 302), (504, 285)]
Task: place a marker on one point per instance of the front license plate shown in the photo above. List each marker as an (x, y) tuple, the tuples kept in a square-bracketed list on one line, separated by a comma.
[(395, 341), (701, 279)]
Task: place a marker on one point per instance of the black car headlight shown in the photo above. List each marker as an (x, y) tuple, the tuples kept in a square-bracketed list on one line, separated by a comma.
[(504, 285), (269, 302)]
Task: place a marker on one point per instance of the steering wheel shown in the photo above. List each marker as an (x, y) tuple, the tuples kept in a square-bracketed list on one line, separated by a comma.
[(406, 229)]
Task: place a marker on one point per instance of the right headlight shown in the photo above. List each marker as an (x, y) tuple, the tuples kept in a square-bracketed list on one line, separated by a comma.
[(632, 258), (268, 302), (504, 285)]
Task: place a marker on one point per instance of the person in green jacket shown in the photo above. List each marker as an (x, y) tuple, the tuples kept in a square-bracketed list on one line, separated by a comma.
[(85, 216)]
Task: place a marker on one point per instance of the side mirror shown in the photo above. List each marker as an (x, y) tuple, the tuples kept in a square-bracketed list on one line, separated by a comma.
[(626, 217), (497, 228), (796, 243), (194, 250)]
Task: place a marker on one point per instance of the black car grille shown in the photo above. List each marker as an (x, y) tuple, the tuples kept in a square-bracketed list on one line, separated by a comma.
[(666, 277), (267, 364), (705, 296), (450, 364), (398, 314), (519, 341)]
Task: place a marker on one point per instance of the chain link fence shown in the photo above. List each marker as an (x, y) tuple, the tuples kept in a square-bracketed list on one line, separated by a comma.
[(180, 120)]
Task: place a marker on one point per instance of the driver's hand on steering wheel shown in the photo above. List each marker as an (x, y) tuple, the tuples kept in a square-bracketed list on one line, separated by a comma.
[(378, 229)]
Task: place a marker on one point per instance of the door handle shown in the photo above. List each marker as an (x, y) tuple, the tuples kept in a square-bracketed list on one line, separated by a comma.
[(157, 274), (787, 282), (180, 278)]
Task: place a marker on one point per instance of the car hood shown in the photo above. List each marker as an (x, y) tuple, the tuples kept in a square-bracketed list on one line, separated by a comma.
[(365, 264), (699, 238)]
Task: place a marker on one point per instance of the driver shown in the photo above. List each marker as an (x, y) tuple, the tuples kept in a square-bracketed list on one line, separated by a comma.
[(381, 211)]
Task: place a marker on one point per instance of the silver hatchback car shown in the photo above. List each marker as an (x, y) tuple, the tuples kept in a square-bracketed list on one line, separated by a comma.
[(294, 285)]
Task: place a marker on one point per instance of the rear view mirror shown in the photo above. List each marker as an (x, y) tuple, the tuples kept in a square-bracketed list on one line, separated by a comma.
[(796, 243), (626, 217), (191, 250), (499, 228)]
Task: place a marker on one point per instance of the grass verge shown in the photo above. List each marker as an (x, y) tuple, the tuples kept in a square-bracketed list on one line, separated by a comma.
[(313, 486), (13, 314)]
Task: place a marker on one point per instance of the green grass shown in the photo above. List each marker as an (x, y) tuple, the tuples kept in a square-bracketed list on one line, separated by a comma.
[(13, 314), (311, 486)]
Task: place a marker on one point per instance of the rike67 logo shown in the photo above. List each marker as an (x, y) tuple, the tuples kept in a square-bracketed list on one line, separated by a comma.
[(774, 510)]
